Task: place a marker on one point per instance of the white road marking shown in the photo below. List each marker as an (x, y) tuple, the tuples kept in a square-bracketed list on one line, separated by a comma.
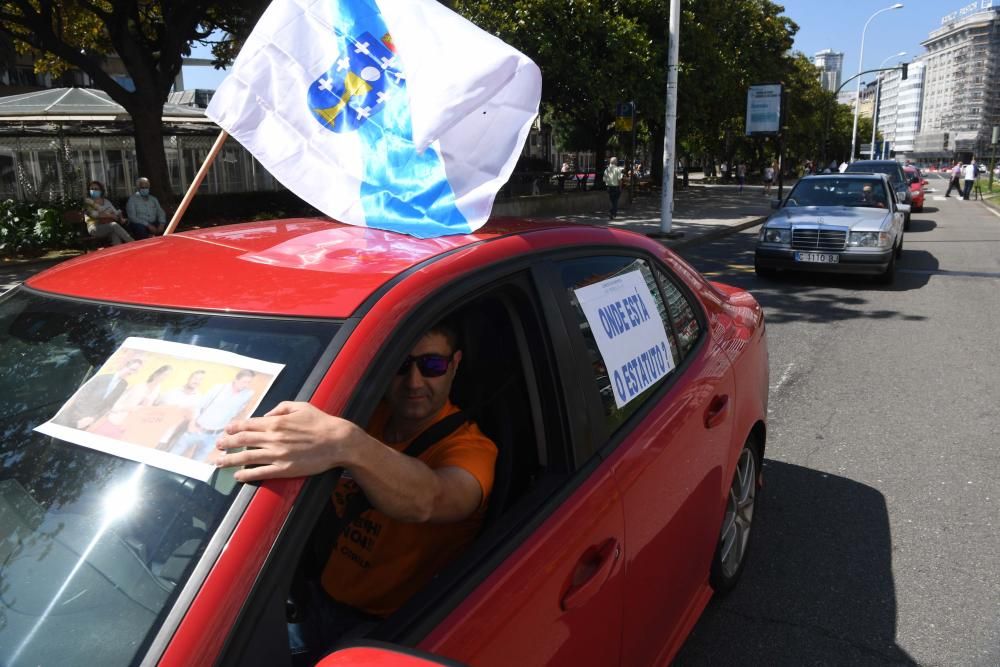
[(783, 378), (991, 209)]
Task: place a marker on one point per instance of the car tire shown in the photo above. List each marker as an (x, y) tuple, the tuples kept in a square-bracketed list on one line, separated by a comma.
[(764, 271), (899, 248), (889, 275), (906, 222), (734, 536)]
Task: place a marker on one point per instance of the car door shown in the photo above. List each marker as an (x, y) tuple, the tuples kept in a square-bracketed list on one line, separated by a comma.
[(556, 596), (667, 449)]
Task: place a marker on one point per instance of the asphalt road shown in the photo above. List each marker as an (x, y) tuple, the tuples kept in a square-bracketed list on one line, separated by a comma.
[(877, 533)]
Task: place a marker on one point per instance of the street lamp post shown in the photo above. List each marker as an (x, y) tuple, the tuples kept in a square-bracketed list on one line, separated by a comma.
[(875, 110), (861, 59)]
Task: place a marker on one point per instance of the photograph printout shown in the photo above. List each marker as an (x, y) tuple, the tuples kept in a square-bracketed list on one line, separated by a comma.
[(163, 403), (629, 333)]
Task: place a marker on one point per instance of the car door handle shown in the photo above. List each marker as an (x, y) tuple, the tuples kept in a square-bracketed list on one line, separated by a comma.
[(591, 572), (717, 411)]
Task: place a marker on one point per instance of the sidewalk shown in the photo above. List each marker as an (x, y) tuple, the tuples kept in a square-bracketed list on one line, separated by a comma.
[(701, 213)]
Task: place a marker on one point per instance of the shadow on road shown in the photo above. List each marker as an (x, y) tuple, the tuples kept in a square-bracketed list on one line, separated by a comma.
[(818, 588), (816, 297), (918, 225)]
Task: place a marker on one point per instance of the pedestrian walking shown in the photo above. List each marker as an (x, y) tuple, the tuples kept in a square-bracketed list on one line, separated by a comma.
[(741, 174), (953, 181), (969, 174), (613, 180), (843, 166), (768, 178)]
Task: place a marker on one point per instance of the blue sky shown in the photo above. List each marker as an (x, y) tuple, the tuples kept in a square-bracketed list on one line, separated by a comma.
[(823, 24), (837, 25)]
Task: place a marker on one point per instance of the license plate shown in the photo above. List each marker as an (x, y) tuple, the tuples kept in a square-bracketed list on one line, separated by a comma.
[(821, 257)]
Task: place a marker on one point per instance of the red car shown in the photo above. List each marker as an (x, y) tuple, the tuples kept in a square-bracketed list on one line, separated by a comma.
[(619, 505), (917, 183)]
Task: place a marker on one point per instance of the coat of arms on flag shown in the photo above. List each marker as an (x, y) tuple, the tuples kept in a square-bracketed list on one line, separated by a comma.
[(347, 104), (358, 85)]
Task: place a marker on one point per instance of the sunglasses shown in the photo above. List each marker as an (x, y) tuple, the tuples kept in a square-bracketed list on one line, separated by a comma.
[(429, 365)]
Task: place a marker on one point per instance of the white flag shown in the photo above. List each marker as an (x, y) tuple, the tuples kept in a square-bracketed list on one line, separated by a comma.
[(395, 114)]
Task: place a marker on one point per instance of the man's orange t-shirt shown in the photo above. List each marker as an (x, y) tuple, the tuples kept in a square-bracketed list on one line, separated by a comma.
[(378, 562)]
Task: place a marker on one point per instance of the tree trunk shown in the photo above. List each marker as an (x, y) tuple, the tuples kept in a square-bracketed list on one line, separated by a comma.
[(150, 154)]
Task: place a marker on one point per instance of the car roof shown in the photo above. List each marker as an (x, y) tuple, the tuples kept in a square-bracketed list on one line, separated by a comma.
[(862, 175), (300, 267)]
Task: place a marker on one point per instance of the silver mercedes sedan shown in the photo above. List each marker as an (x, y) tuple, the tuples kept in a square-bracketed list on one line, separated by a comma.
[(834, 223)]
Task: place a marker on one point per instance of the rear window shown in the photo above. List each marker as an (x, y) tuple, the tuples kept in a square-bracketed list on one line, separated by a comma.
[(94, 548), (890, 169), (838, 191)]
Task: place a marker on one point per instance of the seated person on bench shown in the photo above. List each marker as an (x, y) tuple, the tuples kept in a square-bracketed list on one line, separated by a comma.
[(424, 510)]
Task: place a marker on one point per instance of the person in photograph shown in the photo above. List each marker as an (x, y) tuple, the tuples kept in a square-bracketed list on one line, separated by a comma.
[(143, 394), (221, 405), (96, 398), (188, 398)]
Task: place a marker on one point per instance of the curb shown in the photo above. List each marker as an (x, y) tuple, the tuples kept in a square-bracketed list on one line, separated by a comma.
[(20, 263), (713, 235)]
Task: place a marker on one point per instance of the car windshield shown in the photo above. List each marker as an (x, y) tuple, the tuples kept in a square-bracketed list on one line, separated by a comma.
[(94, 548), (889, 169), (834, 191)]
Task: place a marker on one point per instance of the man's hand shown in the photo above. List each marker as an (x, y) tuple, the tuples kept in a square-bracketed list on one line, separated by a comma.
[(292, 440)]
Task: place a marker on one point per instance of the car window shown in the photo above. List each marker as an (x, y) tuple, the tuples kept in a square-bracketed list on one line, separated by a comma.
[(835, 191), (580, 273), (92, 545), (685, 323), (892, 170)]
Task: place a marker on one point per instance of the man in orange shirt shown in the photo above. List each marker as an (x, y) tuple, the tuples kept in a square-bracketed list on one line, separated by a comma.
[(425, 509)]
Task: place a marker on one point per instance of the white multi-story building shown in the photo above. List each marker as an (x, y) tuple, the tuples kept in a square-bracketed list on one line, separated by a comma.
[(830, 65), (961, 99), (899, 108)]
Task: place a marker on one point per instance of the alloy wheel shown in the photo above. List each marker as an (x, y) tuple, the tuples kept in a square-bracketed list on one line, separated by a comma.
[(739, 514)]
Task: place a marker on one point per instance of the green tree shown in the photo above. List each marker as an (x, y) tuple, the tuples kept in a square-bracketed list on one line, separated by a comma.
[(592, 55), (149, 36)]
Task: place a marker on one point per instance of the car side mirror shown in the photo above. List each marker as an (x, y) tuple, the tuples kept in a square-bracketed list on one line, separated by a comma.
[(383, 655), (924, 182), (775, 203), (903, 208)]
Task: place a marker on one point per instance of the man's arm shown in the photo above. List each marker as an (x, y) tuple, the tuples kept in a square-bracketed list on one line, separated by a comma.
[(130, 210), (298, 439), (161, 217)]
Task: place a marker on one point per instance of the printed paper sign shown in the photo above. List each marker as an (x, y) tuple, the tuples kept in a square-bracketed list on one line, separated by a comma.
[(764, 109), (164, 404), (629, 333)]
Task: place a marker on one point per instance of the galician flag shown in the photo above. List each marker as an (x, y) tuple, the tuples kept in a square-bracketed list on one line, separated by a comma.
[(395, 114)]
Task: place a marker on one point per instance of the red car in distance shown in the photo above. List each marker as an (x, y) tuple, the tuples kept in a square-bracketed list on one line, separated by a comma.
[(916, 182), (613, 518)]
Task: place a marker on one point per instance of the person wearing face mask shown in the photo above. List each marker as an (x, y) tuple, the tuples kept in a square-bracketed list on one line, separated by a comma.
[(145, 215), (102, 218)]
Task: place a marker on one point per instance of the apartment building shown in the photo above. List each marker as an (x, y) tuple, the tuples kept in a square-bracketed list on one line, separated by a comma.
[(961, 98), (899, 109), (830, 65)]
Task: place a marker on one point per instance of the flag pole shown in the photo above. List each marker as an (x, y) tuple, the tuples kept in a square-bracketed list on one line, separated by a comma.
[(196, 183)]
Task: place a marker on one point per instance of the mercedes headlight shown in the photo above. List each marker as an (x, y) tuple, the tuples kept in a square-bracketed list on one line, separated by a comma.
[(771, 235), (870, 240)]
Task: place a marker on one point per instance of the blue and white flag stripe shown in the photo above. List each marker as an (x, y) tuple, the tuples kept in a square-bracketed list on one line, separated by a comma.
[(395, 114)]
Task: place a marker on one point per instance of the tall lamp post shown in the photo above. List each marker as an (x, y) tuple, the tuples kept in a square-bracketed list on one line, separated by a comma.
[(875, 113), (861, 60)]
